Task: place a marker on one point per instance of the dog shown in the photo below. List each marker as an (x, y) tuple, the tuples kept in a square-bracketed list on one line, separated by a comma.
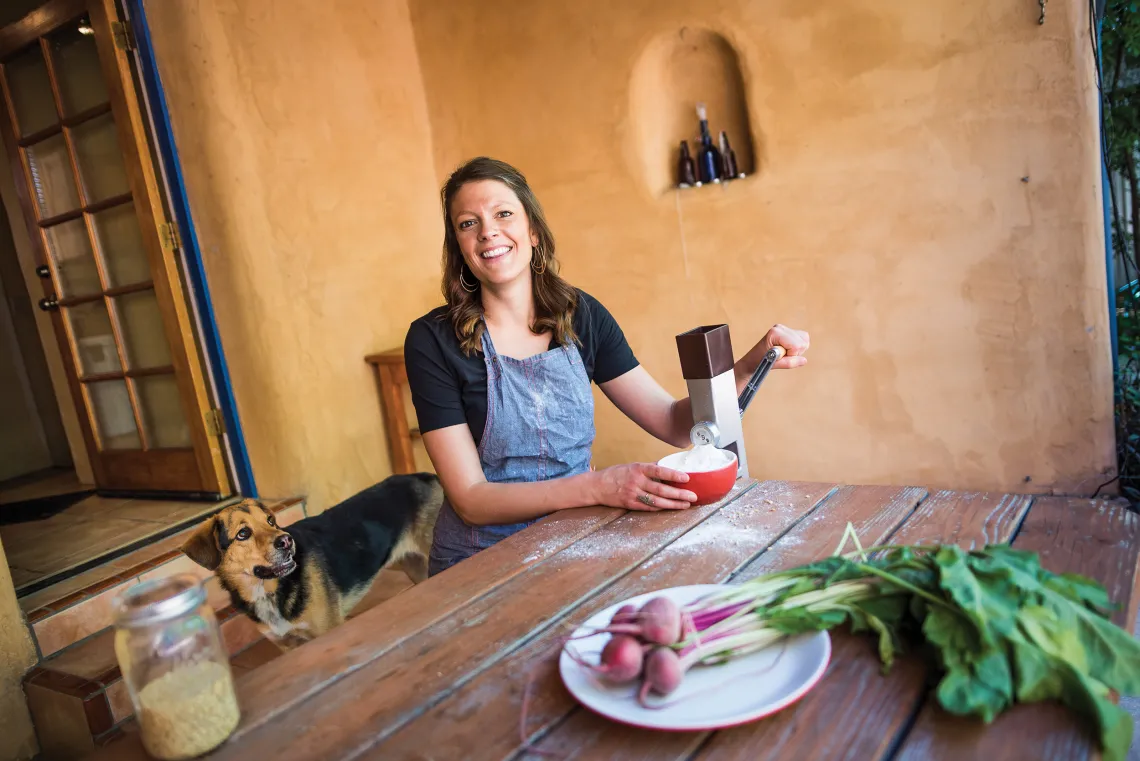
[(300, 582)]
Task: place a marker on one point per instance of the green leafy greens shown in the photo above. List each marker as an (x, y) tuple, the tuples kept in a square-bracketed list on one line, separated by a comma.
[(1002, 628)]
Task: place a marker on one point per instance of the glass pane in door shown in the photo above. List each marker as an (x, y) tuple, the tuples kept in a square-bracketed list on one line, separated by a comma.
[(141, 326), (100, 160), (161, 411), (94, 339), (80, 79), (31, 91), (70, 249), (114, 419), (121, 245), (52, 177)]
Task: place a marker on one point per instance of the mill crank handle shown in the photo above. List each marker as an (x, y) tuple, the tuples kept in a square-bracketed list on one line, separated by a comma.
[(774, 354)]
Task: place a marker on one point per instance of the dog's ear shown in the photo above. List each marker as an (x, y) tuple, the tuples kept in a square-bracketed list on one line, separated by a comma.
[(202, 546)]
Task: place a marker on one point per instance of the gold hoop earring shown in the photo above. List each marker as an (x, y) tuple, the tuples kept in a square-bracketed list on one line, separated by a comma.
[(538, 253), (464, 286)]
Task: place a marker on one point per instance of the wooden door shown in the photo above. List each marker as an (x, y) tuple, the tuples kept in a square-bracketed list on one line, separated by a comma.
[(75, 135)]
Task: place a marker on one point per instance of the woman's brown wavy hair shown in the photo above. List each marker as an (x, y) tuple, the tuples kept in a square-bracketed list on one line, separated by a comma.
[(554, 299)]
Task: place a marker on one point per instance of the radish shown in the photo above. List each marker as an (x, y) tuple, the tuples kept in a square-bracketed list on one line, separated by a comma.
[(626, 614), (663, 673), (620, 661), (661, 621)]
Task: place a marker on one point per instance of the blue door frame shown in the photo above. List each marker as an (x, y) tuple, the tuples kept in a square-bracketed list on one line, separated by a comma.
[(211, 340), (1106, 201)]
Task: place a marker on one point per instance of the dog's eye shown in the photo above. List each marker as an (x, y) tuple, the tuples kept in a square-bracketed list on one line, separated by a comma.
[(244, 534), (272, 521)]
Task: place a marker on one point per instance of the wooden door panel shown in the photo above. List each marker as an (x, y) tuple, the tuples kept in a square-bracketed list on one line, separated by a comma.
[(73, 127)]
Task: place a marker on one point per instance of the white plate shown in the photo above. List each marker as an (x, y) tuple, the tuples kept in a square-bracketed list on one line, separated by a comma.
[(710, 697)]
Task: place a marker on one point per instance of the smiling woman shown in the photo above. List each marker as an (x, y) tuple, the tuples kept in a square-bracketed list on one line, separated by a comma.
[(500, 376)]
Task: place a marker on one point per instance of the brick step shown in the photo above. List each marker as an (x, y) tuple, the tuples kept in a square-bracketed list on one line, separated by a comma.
[(79, 701), (71, 611)]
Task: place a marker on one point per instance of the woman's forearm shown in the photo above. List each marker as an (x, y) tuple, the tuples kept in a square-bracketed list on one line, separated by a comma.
[(487, 503)]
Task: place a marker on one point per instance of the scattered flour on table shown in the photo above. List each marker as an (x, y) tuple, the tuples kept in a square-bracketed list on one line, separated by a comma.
[(709, 534), (545, 549)]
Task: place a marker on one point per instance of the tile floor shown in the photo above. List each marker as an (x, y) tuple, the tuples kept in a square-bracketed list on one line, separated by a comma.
[(44, 483), (88, 529)]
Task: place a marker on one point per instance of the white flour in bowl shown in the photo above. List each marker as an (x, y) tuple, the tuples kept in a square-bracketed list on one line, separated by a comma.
[(700, 459)]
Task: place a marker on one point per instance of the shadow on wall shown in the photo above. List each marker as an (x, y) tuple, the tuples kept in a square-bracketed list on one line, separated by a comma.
[(677, 71)]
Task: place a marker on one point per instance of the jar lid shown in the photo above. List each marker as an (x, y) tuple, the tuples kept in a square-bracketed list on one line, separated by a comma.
[(160, 600)]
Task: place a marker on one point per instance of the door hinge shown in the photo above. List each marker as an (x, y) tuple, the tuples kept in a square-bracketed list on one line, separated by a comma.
[(171, 240), (215, 423), (124, 38)]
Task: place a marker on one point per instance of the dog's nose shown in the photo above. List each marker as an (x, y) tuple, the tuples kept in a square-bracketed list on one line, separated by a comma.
[(283, 542)]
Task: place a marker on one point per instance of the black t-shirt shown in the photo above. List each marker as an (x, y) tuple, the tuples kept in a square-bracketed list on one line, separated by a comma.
[(450, 388)]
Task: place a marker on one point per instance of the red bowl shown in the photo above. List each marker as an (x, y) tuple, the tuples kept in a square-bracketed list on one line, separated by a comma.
[(709, 485)]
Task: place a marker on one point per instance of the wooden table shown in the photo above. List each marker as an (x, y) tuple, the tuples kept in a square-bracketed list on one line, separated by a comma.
[(438, 672)]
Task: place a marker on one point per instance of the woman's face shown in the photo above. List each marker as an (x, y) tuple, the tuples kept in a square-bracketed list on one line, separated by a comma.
[(493, 231)]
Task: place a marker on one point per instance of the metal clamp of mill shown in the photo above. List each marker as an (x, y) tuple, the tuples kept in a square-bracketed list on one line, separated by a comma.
[(707, 367)]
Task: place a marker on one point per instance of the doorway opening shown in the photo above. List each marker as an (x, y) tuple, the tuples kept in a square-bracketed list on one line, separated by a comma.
[(118, 438)]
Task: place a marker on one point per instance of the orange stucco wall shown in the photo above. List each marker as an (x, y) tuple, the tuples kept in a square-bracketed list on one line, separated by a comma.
[(304, 139), (958, 313)]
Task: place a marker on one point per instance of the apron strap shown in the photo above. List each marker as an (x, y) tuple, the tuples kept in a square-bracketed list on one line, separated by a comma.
[(490, 356)]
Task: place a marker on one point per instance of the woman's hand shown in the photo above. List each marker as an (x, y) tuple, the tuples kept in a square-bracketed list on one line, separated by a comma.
[(632, 487), (795, 343)]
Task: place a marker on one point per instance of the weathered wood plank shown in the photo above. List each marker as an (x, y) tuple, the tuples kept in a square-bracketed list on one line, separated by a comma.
[(874, 511), (1099, 539), (1096, 538), (856, 712), (968, 519), (587, 736), (481, 719), (297, 676), (419, 671)]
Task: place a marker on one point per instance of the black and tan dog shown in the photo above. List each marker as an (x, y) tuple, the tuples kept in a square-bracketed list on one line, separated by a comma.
[(300, 582)]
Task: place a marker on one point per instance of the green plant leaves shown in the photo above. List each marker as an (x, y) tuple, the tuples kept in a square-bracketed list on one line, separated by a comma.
[(1003, 629)]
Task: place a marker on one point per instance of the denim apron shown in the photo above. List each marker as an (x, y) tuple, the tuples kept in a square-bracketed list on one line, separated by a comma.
[(540, 425)]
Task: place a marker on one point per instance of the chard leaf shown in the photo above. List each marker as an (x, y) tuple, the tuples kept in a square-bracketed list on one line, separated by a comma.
[(989, 598), (1083, 590), (863, 620), (1020, 561), (917, 608), (801, 586), (981, 687), (890, 608), (886, 641), (1042, 676), (924, 577), (1093, 644), (1036, 675), (950, 632), (800, 620)]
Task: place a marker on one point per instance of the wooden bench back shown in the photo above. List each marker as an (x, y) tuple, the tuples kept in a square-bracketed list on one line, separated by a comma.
[(391, 380)]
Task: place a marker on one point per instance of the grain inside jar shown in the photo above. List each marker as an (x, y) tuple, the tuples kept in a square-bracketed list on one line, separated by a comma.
[(188, 710)]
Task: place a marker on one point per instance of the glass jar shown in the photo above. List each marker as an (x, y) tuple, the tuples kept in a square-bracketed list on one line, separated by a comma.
[(175, 666)]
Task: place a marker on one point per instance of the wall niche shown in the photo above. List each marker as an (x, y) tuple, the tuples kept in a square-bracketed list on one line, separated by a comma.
[(677, 71)]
